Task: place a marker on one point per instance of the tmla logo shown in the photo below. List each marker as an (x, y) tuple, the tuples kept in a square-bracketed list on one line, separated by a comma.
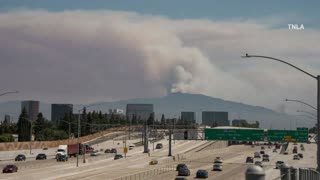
[(295, 27)]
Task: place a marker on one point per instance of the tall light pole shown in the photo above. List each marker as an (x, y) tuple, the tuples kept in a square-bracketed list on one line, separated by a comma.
[(318, 96), (78, 138), (9, 92), (293, 100)]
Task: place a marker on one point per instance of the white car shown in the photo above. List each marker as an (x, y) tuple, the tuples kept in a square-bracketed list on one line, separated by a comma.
[(218, 160), (217, 167), (95, 153)]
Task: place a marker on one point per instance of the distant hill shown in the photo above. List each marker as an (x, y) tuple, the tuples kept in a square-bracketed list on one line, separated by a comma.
[(172, 104)]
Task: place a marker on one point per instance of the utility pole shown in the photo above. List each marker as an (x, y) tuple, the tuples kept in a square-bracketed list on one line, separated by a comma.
[(30, 135), (78, 139)]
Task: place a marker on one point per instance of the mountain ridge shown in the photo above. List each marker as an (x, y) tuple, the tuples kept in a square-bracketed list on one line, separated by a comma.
[(172, 104)]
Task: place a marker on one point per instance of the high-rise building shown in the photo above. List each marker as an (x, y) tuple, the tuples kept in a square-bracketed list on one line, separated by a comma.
[(140, 111), (214, 118), (32, 108), (7, 118), (59, 110), (188, 118)]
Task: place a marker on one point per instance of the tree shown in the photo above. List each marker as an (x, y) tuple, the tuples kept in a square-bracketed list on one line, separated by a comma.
[(6, 138), (24, 126), (150, 120), (38, 125), (84, 122)]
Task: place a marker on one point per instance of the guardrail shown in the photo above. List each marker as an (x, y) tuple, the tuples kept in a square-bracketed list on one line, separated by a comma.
[(292, 173), (149, 173)]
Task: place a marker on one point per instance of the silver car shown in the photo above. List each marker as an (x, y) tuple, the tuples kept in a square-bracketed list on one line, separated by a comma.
[(217, 167)]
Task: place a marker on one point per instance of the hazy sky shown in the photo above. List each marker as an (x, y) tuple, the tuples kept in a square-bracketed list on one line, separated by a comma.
[(79, 51)]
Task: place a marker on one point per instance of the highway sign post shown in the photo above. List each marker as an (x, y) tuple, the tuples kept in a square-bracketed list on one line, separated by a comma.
[(234, 134), (299, 135)]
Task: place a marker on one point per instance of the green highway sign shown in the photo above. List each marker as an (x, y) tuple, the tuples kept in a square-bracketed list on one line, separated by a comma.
[(234, 134), (300, 135)]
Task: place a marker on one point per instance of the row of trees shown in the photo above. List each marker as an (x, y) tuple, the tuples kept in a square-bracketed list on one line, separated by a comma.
[(90, 122)]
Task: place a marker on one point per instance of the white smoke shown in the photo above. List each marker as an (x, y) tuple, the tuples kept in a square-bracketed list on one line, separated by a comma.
[(87, 56)]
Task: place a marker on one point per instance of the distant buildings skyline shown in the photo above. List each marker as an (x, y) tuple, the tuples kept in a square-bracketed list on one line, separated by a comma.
[(32, 108), (218, 118)]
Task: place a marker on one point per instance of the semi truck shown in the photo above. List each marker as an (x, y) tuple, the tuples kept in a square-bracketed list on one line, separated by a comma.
[(72, 149)]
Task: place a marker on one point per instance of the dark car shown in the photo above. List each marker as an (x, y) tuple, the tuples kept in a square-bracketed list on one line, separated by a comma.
[(118, 156), (107, 151), (180, 166), (184, 171), (300, 155), (20, 157), (159, 146), (41, 157), (180, 178), (10, 169), (261, 152), (249, 160), (202, 173), (113, 150), (265, 157)]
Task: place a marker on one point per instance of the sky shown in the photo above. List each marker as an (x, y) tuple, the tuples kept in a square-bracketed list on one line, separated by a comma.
[(85, 51)]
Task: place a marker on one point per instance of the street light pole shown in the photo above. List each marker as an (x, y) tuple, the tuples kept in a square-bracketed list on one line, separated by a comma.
[(318, 96), (78, 138), (301, 103), (307, 112)]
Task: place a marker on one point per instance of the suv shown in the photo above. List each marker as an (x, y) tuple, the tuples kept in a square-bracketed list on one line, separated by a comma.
[(184, 171), (180, 166), (296, 157), (159, 146), (249, 160), (258, 163), (265, 157), (261, 152), (20, 157), (300, 155), (279, 164)]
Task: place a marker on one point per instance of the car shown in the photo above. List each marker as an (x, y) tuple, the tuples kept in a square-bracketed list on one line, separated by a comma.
[(113, 150), (180, 178), (286, 153), (11, 168), (296, 157), (265, 157), (257, 155), (249, 160), (218, 160), (131, 146), (61, 157), (261, 152), (95, 153), (302, 148), (159, 146), (20, 157), (300, 155), (180, 166), (274, 150), (262, 147), (252, 146), (295, 151), (41, 156), (258, 163), (301, 145), (201, 173), (118, 156), (184, 171), (295, 143), (107, 151), (153, 162), (217, 167), (279, 164)]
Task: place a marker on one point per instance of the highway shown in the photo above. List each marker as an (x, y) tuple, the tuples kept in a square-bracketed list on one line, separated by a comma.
[(196, 154)]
